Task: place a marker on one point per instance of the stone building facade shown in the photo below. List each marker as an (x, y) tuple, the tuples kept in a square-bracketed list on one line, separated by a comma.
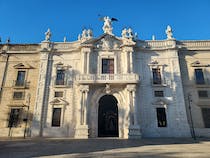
[(107, 86)]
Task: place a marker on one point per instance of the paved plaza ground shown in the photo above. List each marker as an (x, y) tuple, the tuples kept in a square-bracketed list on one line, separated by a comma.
[(105, 148)]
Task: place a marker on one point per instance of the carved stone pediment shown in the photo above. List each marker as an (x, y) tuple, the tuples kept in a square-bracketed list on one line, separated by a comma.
[(23, 66), (198, 64), (59, 101), (105, 42)]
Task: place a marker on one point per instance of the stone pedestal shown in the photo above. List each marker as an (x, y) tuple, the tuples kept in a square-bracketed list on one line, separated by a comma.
[(81, 132), (134, 132)]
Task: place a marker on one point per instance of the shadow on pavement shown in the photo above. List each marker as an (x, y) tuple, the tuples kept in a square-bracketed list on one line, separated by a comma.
[(88, 148)]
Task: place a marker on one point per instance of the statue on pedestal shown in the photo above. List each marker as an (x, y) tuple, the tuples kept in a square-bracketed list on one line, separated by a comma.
[(48, 35), (107, 25), (127, 33), (169, 32)]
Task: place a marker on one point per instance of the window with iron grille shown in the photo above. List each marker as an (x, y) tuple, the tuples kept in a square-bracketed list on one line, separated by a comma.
[(161, 117), (156, 76), (59, 94), (203, 94), (14, 118), (56, 117), (199, 77), (18, 95), (158, 93), (206, 117)]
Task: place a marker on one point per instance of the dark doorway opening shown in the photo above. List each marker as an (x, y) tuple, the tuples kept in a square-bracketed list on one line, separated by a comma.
[(108, 117)]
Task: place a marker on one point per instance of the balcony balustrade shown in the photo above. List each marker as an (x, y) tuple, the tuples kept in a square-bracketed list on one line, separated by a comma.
[(62, 83), (20, 84)]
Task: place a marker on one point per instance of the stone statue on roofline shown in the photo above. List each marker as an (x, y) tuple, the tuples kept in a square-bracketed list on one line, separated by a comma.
[(127, 33), (107, 28), (169, 32), (86, 34), (48, 35)]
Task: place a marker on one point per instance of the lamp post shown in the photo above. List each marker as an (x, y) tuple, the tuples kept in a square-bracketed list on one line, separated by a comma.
[(26, 118), (191, 119)]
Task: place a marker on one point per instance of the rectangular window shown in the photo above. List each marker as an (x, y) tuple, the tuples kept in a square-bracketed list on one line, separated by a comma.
[(18, 95), (20, 78), (14, 117), (60, 77), (59, 94), (156, 76), (107, 66), (161, 117), (199, 76), (56, 117), (206, 117), (203, 94), (158, 93)]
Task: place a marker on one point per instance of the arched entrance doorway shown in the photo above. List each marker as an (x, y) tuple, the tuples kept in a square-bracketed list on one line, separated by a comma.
[(108, 117)]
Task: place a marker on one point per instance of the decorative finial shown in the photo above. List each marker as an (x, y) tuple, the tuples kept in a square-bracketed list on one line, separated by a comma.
[(79, 37), (48, 35), (135, 35), (8, 40), (64, 39), (153, 37), (169, 32)]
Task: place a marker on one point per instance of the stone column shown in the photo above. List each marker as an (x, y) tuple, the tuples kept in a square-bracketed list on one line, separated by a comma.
[(85, 60), (128, 49), (88, 61), (4, 67), (83, 63), (128, 59), (131, 62), (82, 126), (125, 67), (40, 103), (134, 128), (85, 106), (133, 95)]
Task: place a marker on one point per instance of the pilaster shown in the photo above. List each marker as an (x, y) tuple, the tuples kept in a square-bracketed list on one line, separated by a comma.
[(42, 94), (128, 56), (134, 128), (85, 52), (81, 130)]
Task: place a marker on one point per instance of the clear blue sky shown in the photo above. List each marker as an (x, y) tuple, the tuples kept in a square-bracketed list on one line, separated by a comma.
[(25, 21)]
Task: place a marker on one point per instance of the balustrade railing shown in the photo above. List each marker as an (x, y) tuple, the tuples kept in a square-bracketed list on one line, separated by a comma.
[(195, 44), (20, 83)]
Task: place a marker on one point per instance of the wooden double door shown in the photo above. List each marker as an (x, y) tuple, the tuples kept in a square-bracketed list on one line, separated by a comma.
[(108, 117)]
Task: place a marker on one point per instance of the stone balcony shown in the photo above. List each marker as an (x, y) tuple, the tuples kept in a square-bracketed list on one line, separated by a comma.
[(107, 78), (20, 84)]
